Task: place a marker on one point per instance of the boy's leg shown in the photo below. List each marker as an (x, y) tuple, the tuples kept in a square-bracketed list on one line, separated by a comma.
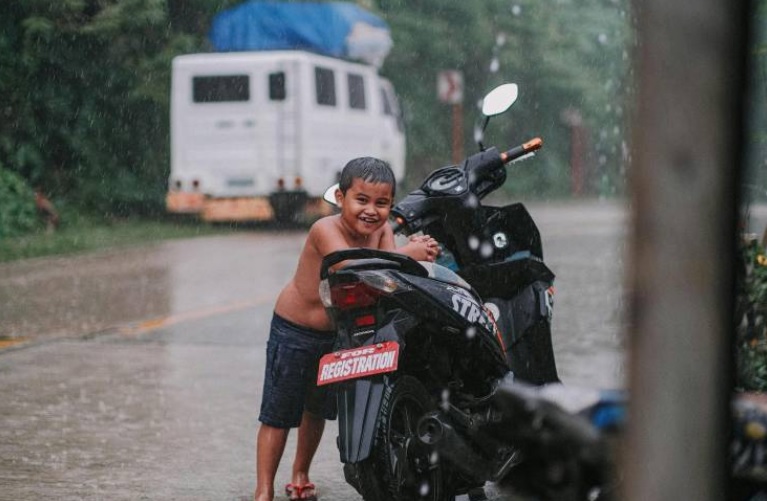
[(309, 436), (270, 446)]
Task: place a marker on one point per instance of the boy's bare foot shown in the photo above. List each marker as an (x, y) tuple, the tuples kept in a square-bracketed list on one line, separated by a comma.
[(263, 497), (305, 492)]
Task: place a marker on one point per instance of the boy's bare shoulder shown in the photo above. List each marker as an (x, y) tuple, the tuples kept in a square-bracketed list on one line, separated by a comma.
[(323, 227), (325, 235)]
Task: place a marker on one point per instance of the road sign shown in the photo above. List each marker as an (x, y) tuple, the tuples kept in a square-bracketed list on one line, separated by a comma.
[(450, 86)]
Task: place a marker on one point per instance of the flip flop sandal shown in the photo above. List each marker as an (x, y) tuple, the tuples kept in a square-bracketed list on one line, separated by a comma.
[(296, 492)]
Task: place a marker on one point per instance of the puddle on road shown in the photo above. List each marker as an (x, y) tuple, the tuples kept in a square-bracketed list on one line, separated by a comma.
[(46, 298)]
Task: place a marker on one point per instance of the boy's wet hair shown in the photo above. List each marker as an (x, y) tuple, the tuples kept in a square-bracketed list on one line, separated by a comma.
[(369, 169)]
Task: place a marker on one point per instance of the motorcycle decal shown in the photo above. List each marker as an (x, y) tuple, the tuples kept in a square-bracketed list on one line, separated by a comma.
[(494, 311), (465, 306), (358, 362)]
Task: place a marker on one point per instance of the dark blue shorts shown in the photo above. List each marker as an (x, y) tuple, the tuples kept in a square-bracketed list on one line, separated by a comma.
[(293, 353)]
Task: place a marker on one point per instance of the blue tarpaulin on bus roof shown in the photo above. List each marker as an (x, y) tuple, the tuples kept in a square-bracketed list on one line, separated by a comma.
[(338, 29)]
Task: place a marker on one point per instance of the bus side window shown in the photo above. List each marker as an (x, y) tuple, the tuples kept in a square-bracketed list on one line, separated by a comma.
[(325, 84), (277, 86), (356, 86), (387, 110), (220, 88), (391, 108)]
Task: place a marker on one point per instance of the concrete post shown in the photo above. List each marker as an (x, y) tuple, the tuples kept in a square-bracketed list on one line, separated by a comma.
[(687, 150)]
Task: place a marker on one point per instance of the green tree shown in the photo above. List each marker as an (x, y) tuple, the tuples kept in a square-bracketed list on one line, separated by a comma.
[(86, 96), (756, 176), (574, 56)]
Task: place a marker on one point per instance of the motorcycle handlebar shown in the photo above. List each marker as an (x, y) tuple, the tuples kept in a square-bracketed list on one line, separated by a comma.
[(485, 172), (522, 150)]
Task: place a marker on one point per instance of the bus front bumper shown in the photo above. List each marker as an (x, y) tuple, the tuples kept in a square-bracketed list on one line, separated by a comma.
[(237, 209), (184, 202)]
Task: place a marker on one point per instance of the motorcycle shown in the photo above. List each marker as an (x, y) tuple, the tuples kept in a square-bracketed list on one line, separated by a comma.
[(422, 348)]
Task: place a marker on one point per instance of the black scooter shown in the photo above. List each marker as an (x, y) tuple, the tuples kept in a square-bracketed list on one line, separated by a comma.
[(423, 348)]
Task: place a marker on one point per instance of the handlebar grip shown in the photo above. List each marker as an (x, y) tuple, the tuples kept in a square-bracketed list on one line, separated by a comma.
[(397, 224), (523, 149)]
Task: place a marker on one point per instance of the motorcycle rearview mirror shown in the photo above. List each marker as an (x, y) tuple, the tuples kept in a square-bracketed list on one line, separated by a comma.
[(499, 99), (330, 195), (494, 103)]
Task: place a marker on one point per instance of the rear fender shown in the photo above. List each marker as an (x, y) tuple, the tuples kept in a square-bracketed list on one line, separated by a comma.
[(359, 403)]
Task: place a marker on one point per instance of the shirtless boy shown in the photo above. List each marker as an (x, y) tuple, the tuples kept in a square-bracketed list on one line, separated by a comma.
[(301, 332)]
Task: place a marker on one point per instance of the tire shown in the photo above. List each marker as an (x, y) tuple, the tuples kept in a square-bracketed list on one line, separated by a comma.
[(398, 469)]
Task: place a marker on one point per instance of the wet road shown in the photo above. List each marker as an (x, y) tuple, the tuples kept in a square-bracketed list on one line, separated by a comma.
[(136, 374)]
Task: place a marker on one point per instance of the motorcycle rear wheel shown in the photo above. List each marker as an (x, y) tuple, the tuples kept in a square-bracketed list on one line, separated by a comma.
[(399, 467)]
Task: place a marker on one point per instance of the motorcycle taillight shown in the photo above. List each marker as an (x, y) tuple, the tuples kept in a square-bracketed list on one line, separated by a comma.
[(353, 295)]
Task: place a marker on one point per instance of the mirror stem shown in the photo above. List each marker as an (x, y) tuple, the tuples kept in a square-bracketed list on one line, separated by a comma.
[(484, 127)]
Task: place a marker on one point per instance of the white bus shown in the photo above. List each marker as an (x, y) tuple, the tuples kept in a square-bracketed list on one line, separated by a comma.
[(261, 135)]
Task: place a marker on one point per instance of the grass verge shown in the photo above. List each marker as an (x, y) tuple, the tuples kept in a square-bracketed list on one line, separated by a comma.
[(86, 234)]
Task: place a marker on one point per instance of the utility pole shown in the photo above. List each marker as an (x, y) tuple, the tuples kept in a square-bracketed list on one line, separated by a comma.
[(688, 150), (450, 91), (572, 118)]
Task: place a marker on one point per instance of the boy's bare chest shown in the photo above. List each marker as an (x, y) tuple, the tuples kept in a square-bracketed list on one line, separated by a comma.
[(366, 241)]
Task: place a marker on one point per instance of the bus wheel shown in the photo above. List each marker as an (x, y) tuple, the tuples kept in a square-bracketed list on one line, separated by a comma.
[(288, 206)]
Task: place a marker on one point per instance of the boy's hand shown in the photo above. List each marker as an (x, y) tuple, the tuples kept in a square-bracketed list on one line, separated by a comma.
[(421, 248)]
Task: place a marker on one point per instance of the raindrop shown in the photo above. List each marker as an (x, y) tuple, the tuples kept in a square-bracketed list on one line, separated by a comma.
[(494, 65), (471, 332), (424, 490), (602, 38), (445, 403), (434, 457), (516, 10), (486, 250), (473, 243)]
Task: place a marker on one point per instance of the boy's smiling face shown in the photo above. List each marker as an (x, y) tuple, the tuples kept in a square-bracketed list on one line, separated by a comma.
[(365, 207)]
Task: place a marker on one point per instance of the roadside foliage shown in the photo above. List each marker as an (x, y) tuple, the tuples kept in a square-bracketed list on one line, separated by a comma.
[(17, 205), (751, 315)]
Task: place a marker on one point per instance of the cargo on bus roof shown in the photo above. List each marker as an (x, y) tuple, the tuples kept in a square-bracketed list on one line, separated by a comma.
[(338, 29)]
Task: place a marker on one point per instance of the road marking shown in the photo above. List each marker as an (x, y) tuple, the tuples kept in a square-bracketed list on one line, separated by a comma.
[(7, 343), (160, 322)]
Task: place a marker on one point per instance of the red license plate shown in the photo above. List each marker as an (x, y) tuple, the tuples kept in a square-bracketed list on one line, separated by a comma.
[(358, 362)]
